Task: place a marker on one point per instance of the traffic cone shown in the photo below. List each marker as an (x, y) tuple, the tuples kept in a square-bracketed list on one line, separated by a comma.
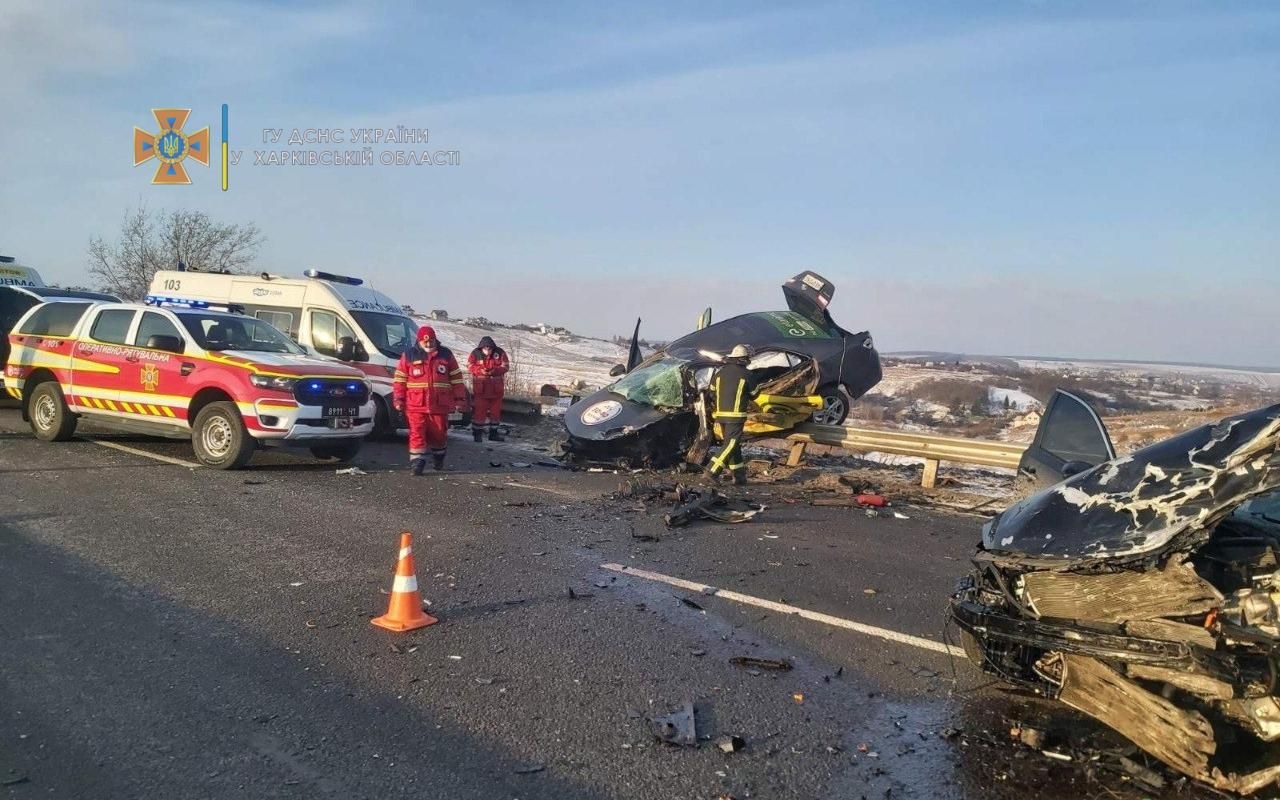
[(404, 611)]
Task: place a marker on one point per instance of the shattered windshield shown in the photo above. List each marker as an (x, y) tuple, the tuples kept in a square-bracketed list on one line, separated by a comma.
[(660, 384)]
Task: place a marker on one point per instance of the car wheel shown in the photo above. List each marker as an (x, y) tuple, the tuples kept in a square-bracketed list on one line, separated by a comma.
[(220, 438), (51, 420), (835, 406), (383, 426), (341, 451)]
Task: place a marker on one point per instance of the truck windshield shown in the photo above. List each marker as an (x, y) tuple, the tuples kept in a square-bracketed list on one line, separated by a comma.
[(231, 332), (660, 384), (392, 334)]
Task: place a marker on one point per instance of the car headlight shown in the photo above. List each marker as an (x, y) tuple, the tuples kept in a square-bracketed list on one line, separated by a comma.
[(279, 383)]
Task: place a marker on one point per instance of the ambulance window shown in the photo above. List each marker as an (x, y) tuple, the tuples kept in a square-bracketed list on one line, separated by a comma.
[(281, 320), (54, 319), (154, 324), (112, 325), (326, 330)]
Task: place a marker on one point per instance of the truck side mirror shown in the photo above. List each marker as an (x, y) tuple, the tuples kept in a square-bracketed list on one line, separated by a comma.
[(169, 344)]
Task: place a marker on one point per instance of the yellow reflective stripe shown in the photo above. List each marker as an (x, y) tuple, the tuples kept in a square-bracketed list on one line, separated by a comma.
[(730, 415), (127, 407), (737, 401), (168, 412), (153, 409), (111, 405)]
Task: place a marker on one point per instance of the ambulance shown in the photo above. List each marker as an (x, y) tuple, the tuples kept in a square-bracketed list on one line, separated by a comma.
[(333, 315)]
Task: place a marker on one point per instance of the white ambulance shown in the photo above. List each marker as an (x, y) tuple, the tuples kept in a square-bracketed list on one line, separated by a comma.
[(333, 315)]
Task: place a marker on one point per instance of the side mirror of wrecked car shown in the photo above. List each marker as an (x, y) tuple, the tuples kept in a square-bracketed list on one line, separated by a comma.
[(1075, 468), (617, 370), (169, 344)]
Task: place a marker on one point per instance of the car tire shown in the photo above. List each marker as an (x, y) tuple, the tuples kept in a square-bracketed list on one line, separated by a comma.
[(835, 406), (51, 420), (383, 426), (339, 451), (219, 437)]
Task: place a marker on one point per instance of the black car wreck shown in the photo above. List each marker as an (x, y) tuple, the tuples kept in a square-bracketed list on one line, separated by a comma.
[(1144, 591), (804, 365)]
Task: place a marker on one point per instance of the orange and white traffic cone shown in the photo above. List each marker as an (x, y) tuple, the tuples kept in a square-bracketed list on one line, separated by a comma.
[(404, 611)]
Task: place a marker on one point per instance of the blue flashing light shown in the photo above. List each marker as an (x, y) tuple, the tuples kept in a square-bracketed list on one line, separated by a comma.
[(329, 276), (179, 302)]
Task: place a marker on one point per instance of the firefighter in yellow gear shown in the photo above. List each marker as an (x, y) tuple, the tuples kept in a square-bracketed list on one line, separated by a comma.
[(732, 397)]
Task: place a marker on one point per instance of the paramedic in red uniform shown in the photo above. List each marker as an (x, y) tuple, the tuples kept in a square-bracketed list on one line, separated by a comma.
[(487, 363), (428, 386)]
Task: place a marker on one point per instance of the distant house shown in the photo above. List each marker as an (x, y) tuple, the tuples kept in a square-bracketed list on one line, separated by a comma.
[(439, 314)]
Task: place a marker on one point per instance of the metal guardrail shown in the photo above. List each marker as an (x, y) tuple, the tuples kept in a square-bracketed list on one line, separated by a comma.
[(933, 449)]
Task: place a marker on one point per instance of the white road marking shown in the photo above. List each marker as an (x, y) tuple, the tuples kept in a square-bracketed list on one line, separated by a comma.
[(783, 608), (177, 462)]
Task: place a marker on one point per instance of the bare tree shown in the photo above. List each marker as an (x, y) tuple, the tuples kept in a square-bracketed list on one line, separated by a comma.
[(150, 242)]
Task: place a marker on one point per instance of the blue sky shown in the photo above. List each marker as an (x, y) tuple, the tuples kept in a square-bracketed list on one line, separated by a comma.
[(1067, 179)]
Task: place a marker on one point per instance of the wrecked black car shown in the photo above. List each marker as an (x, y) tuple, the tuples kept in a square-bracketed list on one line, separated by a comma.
[(1143, 591), (804, 365)]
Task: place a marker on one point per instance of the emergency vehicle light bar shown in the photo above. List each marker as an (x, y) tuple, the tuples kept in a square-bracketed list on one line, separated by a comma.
[(180, 302), (329, 276)]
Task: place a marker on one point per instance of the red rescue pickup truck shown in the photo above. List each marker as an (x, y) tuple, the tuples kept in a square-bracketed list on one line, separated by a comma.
[(225, 381)]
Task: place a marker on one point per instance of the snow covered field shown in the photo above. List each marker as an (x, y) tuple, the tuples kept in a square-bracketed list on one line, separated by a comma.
[(537, 358)]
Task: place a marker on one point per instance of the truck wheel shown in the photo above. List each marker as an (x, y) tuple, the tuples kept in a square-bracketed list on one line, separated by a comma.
[(341, 451), (220, 438), (51, 420)]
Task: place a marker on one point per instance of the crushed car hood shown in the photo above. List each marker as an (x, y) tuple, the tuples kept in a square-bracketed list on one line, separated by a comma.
[(1170, 493)]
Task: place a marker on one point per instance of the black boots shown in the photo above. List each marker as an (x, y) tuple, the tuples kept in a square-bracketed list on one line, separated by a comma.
[(418, 465), (437, 461), (478, 434), (494, 436)]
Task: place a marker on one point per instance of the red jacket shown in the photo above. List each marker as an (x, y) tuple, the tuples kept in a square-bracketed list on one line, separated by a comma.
[(429, 383), (486, 373)]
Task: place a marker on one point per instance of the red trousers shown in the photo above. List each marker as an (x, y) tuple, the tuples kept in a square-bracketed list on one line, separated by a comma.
[(486, 409), (427, 431)]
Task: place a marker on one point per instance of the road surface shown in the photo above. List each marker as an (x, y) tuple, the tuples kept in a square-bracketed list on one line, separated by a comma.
[(167, 631)]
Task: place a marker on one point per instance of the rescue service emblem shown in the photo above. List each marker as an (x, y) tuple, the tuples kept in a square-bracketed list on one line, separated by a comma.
[(603, 411), (441, 368), (149, 377)]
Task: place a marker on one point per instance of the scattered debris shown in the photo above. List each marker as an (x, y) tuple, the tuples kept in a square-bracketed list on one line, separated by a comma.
[(350, 471), (521, 464), (703, 503), (752, 662), (798, 697), (529, 769), (730, 744), (678, 727), (1031, 737), (691, 604)]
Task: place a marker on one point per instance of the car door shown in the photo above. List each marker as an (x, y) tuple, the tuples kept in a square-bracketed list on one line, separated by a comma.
[(154, 383), (101, 360), (1071, 438)]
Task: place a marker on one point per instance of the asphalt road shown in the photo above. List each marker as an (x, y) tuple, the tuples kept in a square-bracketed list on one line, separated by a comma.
[(176, 632)]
